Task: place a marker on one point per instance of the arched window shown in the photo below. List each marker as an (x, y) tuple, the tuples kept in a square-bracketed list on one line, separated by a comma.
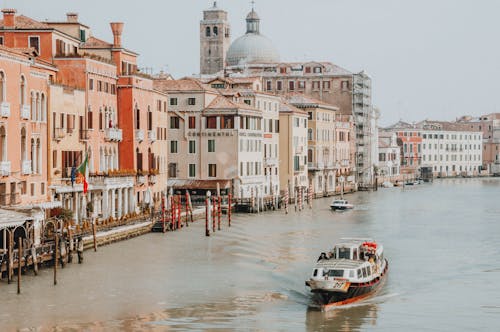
[(43, 117), (38, 107), (33, 156), (39, 156), (309, 156), (207, 31), (216, 31), (3, 144), (23, 144), (3, 87), (137, 118), (33, 105), (22, 90)]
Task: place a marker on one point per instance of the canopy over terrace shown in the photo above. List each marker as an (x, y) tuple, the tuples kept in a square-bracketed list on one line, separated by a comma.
[(199, 187), (10, 219)]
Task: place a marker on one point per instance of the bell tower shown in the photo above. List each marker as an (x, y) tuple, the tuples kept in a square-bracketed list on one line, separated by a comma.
[(215, 38)]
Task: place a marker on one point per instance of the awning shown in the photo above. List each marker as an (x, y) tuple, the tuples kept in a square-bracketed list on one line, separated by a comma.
[(9, 218), (198, 184)]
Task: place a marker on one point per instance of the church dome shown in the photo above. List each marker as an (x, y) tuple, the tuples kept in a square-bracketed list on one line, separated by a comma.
[(252, 47)]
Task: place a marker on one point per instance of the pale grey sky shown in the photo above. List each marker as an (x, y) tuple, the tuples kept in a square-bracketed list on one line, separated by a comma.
[(428, 59)]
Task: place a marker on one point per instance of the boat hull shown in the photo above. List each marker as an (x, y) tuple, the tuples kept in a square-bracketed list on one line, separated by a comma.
[(328, 300)]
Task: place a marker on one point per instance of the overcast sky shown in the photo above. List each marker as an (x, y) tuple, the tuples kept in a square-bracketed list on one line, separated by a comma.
[(436, 59)]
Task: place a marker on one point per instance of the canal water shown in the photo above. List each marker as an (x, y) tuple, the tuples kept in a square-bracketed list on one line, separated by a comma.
[(442, 241)]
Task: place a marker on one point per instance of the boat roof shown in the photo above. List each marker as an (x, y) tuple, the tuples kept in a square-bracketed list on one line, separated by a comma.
[(352, 242), (340, 263)]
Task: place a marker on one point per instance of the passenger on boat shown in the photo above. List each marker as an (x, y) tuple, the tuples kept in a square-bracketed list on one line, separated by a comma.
[(322, 256)]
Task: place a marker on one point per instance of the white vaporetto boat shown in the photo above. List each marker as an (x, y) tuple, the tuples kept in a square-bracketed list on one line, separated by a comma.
[(340, 204), (354, 269)]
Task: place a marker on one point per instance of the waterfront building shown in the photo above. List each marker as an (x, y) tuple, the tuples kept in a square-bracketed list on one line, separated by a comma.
[(389, 156), (449, 148), (254, 55), (322, 163), (293, 172), (24, 90), (489, 125)]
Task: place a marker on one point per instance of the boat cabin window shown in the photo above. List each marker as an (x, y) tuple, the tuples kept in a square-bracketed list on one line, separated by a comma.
[(355, 253), (315, 272), (351, 273), (334, 273), (359, 274), (344, 253), (364, 272), (369, 271)]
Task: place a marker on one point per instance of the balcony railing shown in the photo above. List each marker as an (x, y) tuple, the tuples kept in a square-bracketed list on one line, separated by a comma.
[(151, 135), (114, 134), (84, 134), (25, 112), (141, 179), (139, 135), (5, 168), (26, 167), (4, 109), (270, 162), (59, 134)]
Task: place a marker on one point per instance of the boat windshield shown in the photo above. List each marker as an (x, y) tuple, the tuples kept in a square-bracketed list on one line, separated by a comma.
[(344, 253), (334, 273)]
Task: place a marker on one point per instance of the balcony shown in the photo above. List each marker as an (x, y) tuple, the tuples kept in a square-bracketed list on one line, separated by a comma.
[(270, 162), (59, 134), (84, 134), (114, 135), (141, 179), (152, 179), (139, 135), (26, 167), (25, 112), (151, 135), (5, 168), (4, 110)]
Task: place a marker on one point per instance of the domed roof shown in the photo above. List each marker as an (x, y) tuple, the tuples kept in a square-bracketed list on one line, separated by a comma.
[(252, 47)]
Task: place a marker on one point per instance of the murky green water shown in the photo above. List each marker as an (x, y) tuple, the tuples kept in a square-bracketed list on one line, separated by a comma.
[(442, 241)]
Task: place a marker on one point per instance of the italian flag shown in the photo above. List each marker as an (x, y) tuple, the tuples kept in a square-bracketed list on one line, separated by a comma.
[(82, 173)]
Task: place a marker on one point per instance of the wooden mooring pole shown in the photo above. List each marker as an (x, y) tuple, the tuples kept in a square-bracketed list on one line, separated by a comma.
[(11, 258), (19, 263), (94, 234), (55, 256), (207, 201), (219, 212), (229, 205)]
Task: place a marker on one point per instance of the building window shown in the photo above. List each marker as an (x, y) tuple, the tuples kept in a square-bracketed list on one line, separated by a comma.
[(173, 146), (173, 101), (212, 170), (211, 145), (174, 122), (269, 85), (1, 40), (172, 170), (291, 85), (326, 85), (192, 170), (89, 119), (279, 85), (227, 122), (344, 85), (191, 101), (211, 122), (192, 122), (192, 146), (91, 84), (34, 42), (302, 85), (207, 32), (315, 85)]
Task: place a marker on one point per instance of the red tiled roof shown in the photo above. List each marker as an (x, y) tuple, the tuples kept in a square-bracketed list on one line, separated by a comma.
[(184, 84), (24, 22), (286, 107), (93, 42)]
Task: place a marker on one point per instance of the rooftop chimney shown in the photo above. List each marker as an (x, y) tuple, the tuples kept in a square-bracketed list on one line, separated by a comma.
[(117, 28), (72, 17), (9, 18)]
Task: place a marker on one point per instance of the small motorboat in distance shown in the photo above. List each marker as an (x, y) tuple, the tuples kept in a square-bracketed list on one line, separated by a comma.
[(353, 270), (340, 204)]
